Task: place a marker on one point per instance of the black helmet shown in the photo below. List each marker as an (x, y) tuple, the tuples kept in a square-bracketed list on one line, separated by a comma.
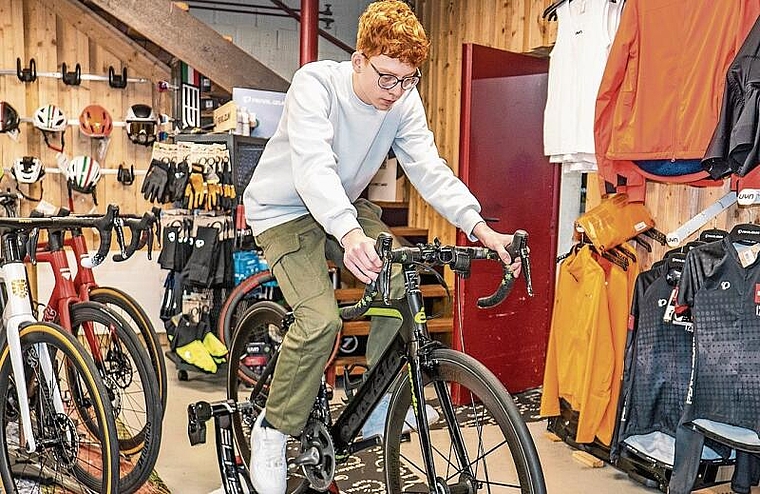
[(8, 117)]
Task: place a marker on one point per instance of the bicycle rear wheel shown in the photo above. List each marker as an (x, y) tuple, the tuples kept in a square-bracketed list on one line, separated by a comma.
[(496, 452), (253, 344), (128, 308), (70, 457), (131, 383)]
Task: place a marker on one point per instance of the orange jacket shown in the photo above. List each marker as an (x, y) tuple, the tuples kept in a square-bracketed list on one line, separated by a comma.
[(580, 357), (661, 91)]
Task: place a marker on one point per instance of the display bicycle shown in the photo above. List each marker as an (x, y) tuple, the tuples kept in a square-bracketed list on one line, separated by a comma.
[(119, 356), (454, 455), (58, 431)]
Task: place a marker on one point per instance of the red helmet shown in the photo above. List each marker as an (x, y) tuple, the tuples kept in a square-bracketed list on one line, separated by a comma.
[(95, 121)]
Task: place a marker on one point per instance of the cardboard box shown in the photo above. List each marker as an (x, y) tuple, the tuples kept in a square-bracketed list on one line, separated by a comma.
[(225, 117), (385, 185)]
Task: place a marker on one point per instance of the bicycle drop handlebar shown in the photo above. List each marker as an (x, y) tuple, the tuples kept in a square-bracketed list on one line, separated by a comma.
[(434, 254), (104, 224), (142, 234)]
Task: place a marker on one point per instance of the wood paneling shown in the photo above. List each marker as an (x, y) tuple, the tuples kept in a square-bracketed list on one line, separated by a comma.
[(65, 32)]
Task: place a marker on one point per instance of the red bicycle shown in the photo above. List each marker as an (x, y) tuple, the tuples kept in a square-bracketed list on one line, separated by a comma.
[(120, 358)]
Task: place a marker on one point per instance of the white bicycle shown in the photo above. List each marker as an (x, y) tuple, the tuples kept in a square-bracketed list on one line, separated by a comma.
[(58, 431)]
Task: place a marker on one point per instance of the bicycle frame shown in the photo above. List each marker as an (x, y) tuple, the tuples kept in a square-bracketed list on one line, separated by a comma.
[(17, 311), (65, 293)]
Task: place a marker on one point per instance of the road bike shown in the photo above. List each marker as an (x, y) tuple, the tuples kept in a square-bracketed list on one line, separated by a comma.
[(480, 442), (58, 431), (118, 300), (119, 356)]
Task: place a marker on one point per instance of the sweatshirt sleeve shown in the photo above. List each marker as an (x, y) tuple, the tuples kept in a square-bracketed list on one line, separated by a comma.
[(315, 173), (428, 172)]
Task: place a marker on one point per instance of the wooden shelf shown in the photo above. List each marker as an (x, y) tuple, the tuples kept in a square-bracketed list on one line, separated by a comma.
[(361, 328), (409, 231), (353, 294), (392, 204)]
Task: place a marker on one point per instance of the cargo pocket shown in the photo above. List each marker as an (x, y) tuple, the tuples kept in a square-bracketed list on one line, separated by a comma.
[(298, 262)]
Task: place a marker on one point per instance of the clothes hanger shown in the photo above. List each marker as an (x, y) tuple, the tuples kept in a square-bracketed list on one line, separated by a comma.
[(550, 13), (712, 235), (745, 233)]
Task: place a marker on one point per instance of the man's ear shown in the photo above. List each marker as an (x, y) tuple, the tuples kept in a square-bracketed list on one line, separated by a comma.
[(357, 61)]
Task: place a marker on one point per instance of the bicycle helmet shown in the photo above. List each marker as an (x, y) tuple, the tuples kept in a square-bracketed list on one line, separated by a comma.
[(95, 121), (9, 119), (82, 174), (142, 124), (50, 119), (27, 170)]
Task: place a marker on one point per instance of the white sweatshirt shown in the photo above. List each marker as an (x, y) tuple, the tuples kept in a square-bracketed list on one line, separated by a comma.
[(328, 146)]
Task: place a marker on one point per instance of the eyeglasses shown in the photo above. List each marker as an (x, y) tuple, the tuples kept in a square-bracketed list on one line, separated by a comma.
[(389, 81)]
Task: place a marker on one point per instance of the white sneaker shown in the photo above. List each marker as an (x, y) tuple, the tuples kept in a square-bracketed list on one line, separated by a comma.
[(269, 471), (375, 424)]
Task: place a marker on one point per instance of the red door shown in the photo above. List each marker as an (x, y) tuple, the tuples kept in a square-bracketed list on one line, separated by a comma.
[(502, 161)]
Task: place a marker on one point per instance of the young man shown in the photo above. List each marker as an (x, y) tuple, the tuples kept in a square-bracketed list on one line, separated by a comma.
[(339, 122)]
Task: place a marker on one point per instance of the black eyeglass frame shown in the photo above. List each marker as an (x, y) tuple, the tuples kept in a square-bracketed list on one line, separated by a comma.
[(413, 79)]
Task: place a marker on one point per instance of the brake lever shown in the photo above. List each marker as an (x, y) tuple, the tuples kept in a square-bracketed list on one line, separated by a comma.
[(383, 245), (519, 248)]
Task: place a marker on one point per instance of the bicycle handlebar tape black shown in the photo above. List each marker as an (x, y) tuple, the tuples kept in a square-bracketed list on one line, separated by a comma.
[(507, 281), (360, 307)]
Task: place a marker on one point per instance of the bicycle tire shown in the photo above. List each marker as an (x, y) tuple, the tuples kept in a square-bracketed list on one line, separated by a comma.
[(516, 462), (257, 322), (238, 302), (131, 382), (96, 464), (127, 307)]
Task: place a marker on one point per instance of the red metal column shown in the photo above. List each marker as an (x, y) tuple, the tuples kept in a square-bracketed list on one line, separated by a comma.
[(309, 30)]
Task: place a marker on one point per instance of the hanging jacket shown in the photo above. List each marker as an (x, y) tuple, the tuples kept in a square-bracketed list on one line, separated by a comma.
[(580, 357), (661, 89), (735, 144)]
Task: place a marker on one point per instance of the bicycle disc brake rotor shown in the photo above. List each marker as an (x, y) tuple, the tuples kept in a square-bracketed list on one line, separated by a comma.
[(66, 440), (315, 435), (119, 367)]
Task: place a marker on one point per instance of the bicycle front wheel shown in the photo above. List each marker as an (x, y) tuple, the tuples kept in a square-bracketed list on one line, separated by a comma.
[(70, 456), (479, 443), (131, 383), (127, 307)]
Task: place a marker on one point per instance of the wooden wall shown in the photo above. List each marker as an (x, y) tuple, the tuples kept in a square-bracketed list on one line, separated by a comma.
[(32, 29), (516, 25)]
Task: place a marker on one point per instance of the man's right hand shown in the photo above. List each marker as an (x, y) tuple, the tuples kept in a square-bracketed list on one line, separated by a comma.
[(360, 256)]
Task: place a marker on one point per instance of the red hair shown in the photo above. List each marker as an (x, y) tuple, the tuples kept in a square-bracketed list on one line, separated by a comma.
[(390, 28)]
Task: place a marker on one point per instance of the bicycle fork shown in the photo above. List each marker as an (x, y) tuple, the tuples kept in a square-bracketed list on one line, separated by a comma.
[(18, 311)]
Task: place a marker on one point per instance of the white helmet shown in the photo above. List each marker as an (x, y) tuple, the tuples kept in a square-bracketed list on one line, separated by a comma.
[(27, 170), (50, 118), (142, 124), (82, 174)]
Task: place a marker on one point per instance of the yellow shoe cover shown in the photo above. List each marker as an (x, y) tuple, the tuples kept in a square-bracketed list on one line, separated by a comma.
[(196, 354), (214, 346)]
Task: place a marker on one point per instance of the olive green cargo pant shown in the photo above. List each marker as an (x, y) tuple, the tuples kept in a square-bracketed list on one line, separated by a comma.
[(296, 253)]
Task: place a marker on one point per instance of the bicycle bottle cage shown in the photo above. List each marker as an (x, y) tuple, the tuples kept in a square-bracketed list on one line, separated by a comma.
[(26, 74), (125, 175), (71, 78), (117, 81)]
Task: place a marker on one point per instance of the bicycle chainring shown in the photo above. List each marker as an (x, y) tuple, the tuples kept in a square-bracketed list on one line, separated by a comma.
[(315, 435)]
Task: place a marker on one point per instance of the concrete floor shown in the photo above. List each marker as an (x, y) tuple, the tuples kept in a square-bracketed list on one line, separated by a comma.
[(193, 469)]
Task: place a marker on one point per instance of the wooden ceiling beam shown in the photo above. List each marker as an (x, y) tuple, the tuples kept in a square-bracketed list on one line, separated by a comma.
[(194, 42), (136, 58)]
